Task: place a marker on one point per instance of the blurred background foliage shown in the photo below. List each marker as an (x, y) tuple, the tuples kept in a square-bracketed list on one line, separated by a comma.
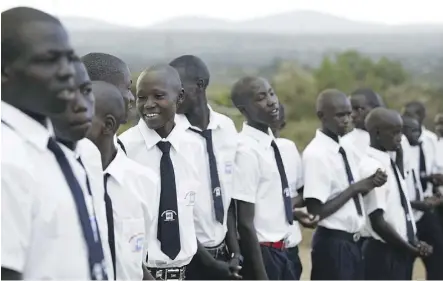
[(297, 87)]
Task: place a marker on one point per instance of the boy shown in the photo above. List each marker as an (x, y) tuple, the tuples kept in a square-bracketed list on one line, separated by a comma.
[(177, 157), (333, 191), (215, 220), (261, 186), (428, 226), (111, 69), (130, 188), (292, 163), (389, 252), (363, 100), (37, 83)]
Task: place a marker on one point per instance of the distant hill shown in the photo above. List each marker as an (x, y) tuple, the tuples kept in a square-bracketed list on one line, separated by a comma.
[(88, 24), (297, 22)]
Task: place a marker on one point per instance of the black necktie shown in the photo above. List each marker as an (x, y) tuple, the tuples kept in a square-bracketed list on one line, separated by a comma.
[(351, 180), (404, 203), (424, 182), (399, 160), (284, 183), (417, 192), (215, 181), (93, 241), (122, 146), (168, 232), (110, 220)]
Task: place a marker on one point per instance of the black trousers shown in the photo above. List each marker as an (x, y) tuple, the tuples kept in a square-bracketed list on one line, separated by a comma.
[(277, 263), (384, 262), (197, 271), (295, 258), (430, 230), (334, 257)]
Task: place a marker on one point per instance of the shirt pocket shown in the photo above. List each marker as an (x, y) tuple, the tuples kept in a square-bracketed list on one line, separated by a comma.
[(133, 234)]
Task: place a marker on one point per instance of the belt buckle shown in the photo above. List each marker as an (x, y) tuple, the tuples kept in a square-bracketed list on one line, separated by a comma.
[(356, 237), (175, 273)]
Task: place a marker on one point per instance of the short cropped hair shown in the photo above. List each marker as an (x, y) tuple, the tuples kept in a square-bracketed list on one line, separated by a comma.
[(193, 68), (104, 67)]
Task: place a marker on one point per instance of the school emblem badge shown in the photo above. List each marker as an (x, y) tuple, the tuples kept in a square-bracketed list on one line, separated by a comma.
[(169, 215), (217, 191), (286, 192)]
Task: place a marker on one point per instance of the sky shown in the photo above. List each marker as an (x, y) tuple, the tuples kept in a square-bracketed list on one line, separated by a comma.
[(139, 13)]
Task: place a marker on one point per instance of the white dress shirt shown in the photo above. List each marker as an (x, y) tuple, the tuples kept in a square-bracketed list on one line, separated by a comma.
[(429, 142), (439, 168), (40, 223), (359, 139), (294, 172), (257, 181), (412, 177), (132, 188), (325, 178), (187, 151), (211, 233), (386, 197)]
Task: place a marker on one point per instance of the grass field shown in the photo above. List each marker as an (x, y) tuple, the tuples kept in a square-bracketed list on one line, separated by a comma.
[(305, 256)]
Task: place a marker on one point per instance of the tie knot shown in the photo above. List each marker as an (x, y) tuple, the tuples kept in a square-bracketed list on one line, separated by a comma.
[(164, 146), (342, 151), (274, 144), (207, 134), (54, 147)]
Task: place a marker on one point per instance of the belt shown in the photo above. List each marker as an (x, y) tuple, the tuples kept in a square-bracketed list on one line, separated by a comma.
[(340, 234), (173, 273), (279, 245), (218, 251)]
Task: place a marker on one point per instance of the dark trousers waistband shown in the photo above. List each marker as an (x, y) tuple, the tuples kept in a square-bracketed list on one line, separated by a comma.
[(218, 251), (339, 234)]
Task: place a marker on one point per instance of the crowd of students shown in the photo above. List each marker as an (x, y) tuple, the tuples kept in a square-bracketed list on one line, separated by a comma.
[(182, 194)]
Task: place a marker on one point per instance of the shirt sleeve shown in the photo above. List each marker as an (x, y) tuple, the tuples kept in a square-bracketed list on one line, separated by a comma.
[(300, 178), (317, 178), (377, 198), (246, 175), (17, 201)]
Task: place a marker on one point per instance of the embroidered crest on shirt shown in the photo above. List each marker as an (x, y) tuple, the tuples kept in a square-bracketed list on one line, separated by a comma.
[(169, 215), (190, 197), (136, 242)]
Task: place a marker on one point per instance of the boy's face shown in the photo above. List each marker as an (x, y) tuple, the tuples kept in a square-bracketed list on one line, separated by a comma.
[(336, 117), (412, 130), (360, 109), (261, 105), (389, 135), (75, 122), (157, 100), (43, 72), (125, 89)]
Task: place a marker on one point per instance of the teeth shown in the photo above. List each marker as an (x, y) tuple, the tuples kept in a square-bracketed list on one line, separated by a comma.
[(151, 115)]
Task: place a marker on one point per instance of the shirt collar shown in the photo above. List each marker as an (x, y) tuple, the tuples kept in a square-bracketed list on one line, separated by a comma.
[(214, 120), (117, 167), (29, 129), (262, 138), (384, 157), (327, 141), (151, 137)]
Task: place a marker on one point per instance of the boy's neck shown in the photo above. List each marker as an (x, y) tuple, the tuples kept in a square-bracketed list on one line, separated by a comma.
[(259, 126), (199, 116)]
